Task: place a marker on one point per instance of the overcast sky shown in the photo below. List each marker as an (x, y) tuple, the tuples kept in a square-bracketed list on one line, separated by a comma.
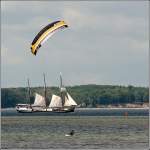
[(106, 43)]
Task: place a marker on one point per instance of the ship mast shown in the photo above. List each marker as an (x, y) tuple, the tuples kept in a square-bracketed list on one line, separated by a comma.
[(29, 91), (45, 89), (62, 90)]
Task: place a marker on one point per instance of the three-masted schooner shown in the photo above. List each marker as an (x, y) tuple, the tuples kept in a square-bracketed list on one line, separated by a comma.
[(62, 103)]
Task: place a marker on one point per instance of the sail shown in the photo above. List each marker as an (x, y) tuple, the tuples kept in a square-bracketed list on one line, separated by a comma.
[(39, 100), (55, 101), (69, 101)]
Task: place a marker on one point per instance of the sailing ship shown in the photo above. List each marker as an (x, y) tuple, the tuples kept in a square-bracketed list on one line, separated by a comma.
[(62, 103)]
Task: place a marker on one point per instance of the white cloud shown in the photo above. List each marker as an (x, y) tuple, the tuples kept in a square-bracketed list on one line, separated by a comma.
[(104, 41), (139, 46), (9, 57)]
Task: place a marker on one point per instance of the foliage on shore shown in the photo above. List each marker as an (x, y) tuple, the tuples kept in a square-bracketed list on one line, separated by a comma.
[(84, 95)]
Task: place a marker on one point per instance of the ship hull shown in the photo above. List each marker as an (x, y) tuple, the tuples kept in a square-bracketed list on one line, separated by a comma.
[(23, 108), (41, 109), (38, 109), (61, 109)]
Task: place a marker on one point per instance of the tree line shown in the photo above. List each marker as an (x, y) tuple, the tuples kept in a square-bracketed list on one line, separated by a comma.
[(84, 95)]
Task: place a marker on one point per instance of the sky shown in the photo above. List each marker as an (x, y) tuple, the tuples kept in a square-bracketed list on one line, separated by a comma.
[(107, 43)]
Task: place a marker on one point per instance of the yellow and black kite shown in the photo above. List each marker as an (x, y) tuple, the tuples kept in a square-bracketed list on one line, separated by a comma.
[(45, 33)]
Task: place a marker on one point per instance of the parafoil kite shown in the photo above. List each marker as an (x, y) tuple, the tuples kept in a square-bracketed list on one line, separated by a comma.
[(45, 33)]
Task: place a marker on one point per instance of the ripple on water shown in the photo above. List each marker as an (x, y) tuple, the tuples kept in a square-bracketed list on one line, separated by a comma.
[(90, 132)]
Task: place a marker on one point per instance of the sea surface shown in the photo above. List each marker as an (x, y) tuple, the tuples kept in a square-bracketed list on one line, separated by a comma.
[(94, 129)]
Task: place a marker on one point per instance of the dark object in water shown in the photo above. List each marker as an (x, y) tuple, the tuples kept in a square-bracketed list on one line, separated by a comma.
[(71, 133)]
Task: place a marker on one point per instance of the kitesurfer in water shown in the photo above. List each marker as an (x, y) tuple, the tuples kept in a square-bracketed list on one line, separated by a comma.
[(71, 133)]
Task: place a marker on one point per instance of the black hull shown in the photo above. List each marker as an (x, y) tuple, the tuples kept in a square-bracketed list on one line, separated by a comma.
[(63, 109), (24, 111), (55, 110)]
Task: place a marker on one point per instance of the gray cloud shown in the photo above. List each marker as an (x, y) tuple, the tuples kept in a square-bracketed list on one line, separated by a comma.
[(106, 43)]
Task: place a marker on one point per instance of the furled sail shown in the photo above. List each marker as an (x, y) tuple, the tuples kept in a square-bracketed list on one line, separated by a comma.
[(55, 101), (39, 100), (69, 101)]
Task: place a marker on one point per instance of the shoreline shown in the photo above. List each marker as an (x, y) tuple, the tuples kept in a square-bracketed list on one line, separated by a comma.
[(104, 108), (114, 108)]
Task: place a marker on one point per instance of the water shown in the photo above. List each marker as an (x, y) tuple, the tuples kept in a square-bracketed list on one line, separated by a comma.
[(83, 112), (91, 132)]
